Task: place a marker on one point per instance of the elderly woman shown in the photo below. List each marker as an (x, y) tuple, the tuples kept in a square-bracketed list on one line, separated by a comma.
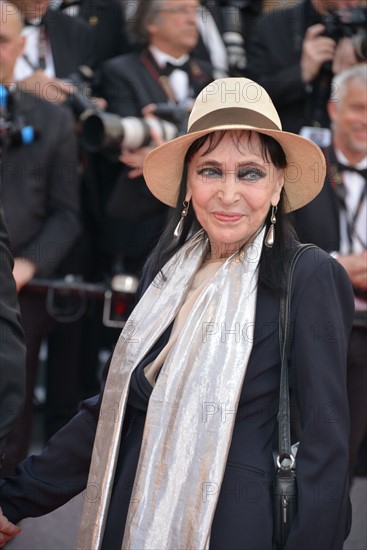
[(183, 449)]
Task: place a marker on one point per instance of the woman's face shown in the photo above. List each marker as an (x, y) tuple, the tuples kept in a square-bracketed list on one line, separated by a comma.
[(232, 189)]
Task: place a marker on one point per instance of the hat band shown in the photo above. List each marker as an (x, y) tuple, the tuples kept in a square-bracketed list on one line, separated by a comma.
[(233, 116)]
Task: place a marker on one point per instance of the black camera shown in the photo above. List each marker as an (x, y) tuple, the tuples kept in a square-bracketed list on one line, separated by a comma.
[(233, 38), (107, 131), (13, 129), (351, 23), (79, 100), (177, 113)]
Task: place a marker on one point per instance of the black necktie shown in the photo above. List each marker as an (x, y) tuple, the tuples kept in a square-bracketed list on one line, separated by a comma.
[(343, 167), (42, 47), (170, 67), (69, 4), (42, 41)]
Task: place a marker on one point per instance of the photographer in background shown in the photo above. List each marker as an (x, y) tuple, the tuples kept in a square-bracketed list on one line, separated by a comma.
[(39, 189), (127, 219), (336, 220), (292, 55)]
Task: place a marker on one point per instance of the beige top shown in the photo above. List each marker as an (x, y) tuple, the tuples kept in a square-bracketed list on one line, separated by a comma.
[(200, 281)]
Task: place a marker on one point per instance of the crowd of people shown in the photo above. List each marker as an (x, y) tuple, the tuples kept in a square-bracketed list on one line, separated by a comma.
[(70, 206)]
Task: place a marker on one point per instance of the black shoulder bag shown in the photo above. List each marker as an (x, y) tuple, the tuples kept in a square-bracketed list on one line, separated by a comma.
[(285, 501)]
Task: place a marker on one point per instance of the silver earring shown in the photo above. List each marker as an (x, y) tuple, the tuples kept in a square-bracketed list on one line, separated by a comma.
[(270, 236), (178, 229)]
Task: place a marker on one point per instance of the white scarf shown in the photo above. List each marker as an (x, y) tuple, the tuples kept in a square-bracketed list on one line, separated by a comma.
[(191, 412)]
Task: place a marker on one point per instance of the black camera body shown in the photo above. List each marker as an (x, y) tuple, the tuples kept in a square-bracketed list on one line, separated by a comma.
[(351, 23), (79, 100)]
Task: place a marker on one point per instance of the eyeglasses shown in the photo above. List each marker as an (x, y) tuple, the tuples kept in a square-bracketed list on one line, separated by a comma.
[(182, 10)]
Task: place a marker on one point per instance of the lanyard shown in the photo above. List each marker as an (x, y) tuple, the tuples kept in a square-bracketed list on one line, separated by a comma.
[(336, 179), (150, 64)]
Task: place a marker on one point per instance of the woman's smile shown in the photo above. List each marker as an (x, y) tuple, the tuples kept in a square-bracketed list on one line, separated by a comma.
[(227, 217)]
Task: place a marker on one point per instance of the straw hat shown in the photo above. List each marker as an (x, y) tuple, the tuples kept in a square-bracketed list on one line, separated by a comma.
[(237, 104)]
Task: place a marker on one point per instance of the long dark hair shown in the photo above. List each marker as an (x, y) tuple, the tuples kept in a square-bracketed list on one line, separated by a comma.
[(272, 259)]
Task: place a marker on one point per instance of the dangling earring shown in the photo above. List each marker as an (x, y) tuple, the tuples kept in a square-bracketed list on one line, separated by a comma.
[(270, 236), (178, 229)]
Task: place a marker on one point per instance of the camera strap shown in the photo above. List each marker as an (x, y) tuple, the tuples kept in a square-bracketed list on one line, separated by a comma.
[(42, 46), (154, 70)]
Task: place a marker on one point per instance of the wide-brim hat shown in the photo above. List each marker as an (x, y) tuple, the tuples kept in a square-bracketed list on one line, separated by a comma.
[(237, 104)]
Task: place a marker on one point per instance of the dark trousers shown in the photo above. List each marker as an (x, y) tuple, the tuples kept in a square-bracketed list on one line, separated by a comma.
[(39, 321), (357, 390)]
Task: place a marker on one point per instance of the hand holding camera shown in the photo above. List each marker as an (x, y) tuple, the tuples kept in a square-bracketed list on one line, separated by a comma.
[(337, 44), (317, 49), (345, 56)]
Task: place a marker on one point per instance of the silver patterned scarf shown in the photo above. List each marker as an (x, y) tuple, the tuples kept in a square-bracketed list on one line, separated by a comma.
[(191, 412)]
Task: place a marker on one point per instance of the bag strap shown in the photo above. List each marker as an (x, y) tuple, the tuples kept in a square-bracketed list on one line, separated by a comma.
[(284, 342)]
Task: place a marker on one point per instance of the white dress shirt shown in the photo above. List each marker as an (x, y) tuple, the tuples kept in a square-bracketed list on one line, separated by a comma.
[(178, 79), (354, 184), (29, 61)]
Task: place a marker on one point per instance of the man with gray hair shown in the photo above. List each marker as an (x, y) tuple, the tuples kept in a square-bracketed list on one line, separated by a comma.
[(337, 221)]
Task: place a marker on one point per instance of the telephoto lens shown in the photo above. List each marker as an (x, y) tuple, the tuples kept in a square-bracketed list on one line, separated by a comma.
[(102, 131)]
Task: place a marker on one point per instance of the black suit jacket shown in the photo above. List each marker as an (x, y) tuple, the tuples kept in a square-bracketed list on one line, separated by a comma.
[(72, 42), (318, 221), (40, 185), (107, 19), (322, 314), (12, 348)]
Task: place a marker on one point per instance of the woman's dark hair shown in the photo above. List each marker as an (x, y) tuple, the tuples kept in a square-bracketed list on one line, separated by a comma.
[(272, 259)]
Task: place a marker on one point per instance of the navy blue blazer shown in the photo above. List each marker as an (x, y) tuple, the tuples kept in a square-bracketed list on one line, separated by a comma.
[(322, 315)]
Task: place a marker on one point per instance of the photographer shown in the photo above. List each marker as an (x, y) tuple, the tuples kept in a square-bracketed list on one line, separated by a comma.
[(127, 219), (294, 58)]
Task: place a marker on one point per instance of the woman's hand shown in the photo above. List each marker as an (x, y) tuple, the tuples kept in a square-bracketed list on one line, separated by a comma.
[(7, 530)]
